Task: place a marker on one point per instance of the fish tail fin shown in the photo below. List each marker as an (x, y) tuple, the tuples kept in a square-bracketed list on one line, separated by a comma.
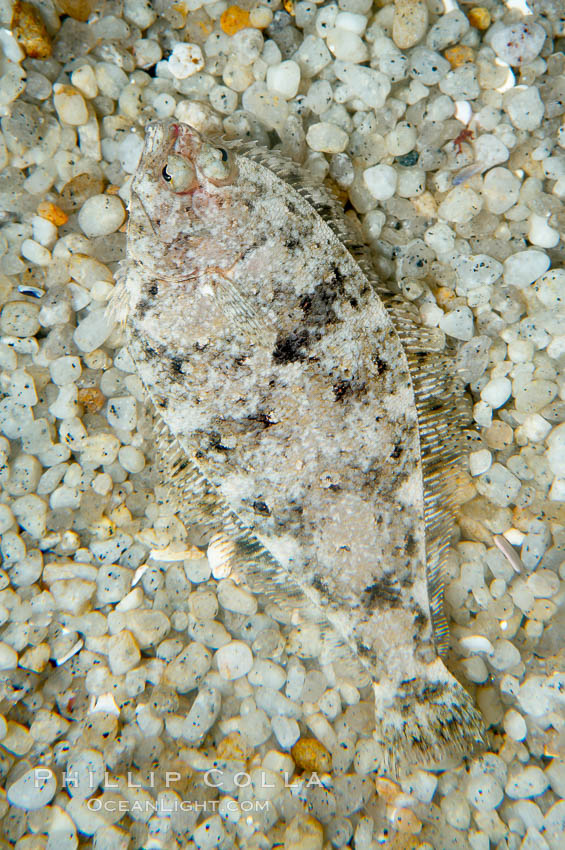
[(425, 721)]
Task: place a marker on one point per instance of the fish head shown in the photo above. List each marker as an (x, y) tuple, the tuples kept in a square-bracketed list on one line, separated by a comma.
[(181, 189)]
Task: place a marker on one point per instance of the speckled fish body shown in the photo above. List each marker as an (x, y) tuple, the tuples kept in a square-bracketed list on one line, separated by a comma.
[(274, 365)]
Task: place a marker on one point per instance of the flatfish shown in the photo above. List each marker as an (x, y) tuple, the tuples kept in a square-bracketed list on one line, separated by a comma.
[(303, 416)]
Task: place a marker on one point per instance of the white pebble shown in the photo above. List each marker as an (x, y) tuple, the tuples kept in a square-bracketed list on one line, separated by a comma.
[(501, 189), (284, 78), (65, 405), (98, 449), (534, 697), (402, 139), (260, 17), (92, 331), (458, 323), (202, 714), (496, 392), (515, 725), (123, 652), (521, 350), (147, 52), (129, 152), (410, 22), (165, 105), (535, 395), (518, 44), (525, 267), (456, 810), (122, 412), (499, 485), (530, 782), (448, 29), (540, 233), (34, 789), (505, 655), (185, 60), (84, 79), (475, 669), (234, 660), (525, 107), (427, 66), (460, 205), (484, 792), (19, 318), (421, 784), (209, 834), (6, 518), (326, 137), (319, 96), (131, 459), (8, 657), (371, 86), (35, 253), (65, 370), (265, 672), (287, 731), (44, 231), (351, 22), (381, 181), (462, 83), (556, 450), (69, 105), (476, 270), (347, 45), (490, 150), (534, 428), (312, 56), (223, 99), (479, 461), (411, 183), (61, 830), (235, 598), (543, 583), (22, 388), (101, 215)]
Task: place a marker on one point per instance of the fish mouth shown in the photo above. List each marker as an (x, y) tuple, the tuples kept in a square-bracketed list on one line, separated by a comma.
[(162, 136)]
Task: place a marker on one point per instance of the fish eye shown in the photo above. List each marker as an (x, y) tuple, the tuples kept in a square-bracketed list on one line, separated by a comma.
[(214, 163), (178, 173)]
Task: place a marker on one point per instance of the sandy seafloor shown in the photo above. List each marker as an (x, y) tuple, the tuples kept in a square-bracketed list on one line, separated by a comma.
[(103, 589)]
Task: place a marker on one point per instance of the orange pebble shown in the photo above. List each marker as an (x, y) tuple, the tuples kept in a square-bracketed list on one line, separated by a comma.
[(404, 820), (92, 399), (445, 296), (386, 788), (234, 747), (234, 19), (29, 31), (310, 755), (112, 189), (289, 6), (459, 55), (52, 213), (479, 17)]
